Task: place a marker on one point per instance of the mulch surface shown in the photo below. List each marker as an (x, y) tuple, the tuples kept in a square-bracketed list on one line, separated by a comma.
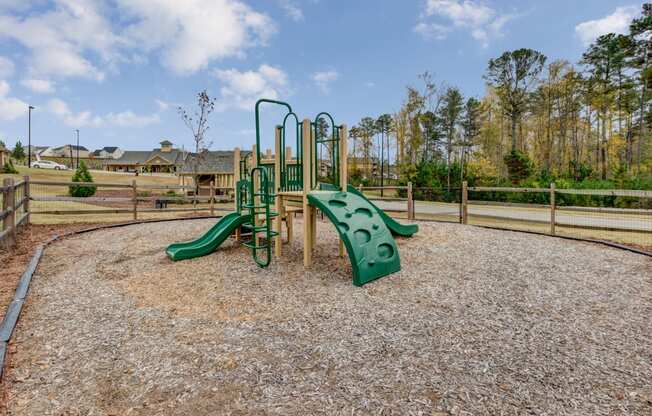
[(15, 260), (477, 322)]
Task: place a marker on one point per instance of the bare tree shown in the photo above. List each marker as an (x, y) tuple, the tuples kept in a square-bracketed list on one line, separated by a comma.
[(197, 122)]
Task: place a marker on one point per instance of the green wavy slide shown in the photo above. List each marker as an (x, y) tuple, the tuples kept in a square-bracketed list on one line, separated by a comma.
[(208, 242), (369, 243), (404, 230)]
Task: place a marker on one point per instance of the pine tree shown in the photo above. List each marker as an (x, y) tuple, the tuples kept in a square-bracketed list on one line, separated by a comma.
[(19, 151), (82, 175)]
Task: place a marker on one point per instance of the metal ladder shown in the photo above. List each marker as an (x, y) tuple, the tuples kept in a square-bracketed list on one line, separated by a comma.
[(259, 205)]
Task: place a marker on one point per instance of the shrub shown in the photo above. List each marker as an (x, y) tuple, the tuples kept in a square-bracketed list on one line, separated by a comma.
[(9, 167), (82, 175), (519, 166)]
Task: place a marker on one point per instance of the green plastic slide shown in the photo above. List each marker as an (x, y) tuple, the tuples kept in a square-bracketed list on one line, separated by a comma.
[(208, 242), (369, 243), (404, 230)]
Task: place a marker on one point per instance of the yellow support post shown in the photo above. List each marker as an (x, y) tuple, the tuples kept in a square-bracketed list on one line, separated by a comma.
[(307, 211)]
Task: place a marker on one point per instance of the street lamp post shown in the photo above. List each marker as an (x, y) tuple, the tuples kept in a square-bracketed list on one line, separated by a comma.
[(29, 136), (77, 130)]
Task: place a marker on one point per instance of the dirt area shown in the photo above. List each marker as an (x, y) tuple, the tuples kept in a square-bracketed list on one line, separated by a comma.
[(15, 260), (478, 321)]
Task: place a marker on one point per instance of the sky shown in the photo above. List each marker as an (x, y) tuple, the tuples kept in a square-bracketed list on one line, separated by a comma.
[(117, 70)]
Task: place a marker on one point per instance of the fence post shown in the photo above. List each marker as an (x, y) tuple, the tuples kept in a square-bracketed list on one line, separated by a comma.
[(212, 197), (135, 195), (465, 202), (12, 216), (8, 205), (26, 195), (552, 208), (410, 201)]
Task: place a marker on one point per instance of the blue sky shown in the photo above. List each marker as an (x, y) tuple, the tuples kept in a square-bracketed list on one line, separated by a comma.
[(117, 69)]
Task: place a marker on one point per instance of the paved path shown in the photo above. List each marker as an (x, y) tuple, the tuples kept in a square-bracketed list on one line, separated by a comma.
[(623, 221)]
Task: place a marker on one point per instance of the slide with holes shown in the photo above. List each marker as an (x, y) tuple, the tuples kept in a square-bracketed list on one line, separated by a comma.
[(210, 241), (404, 230), (369, 243)]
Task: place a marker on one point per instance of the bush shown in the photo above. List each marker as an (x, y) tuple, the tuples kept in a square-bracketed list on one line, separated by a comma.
[(9, 167), (519, 166), (82, 175)]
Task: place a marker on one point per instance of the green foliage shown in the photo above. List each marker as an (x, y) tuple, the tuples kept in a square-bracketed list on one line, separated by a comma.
[(519, 166), (82, 175), (19, 151), (9, 167), (512, 74)]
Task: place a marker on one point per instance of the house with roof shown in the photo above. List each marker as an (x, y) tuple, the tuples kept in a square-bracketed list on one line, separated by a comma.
[(163, 159), (36, 151), (217, 166), (107, 152), (5, 154), (66, 151)]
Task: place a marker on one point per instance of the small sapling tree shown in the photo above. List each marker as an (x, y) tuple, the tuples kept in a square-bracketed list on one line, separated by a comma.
[(82, 175)]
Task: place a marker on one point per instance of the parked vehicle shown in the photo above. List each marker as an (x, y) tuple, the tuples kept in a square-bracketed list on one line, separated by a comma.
[(48, 164)]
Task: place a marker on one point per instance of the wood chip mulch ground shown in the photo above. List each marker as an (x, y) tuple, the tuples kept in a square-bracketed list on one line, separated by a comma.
[(478, 322), (15, 260)]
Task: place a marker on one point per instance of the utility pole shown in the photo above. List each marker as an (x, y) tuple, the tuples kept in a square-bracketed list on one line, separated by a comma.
[(77, 130), (29, 136)]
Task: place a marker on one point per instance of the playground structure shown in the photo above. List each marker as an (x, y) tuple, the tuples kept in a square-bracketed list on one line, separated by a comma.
[(270, 190)]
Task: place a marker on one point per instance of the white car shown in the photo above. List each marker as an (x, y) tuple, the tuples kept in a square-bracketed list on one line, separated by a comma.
[(48, 164)]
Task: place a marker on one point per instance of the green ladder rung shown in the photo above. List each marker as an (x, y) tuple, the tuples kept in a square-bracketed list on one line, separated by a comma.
[(255, 247)]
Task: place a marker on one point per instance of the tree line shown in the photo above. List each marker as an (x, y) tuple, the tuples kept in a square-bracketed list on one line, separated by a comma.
[(539, 120)]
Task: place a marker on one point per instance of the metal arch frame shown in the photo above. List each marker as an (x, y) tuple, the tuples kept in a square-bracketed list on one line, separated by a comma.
[(257, 111), (335, 138), (299, 147)]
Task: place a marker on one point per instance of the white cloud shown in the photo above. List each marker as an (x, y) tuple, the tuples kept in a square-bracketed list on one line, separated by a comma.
[(59, 37), (162, 105), (291, 10), (130, 119), (616, 22), (369, 84), (324, 79), (190, 34), (6, 67), (79, 38), (10, 108), (483, 22), (432, 30), (242, 89), (127, 118), (82, 119), (42, 86)]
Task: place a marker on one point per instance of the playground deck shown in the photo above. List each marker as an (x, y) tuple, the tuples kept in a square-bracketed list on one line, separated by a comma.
[(477, 322)]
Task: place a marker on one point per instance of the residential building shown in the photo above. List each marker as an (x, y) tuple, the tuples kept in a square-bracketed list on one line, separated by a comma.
[(164, 159), (215, 166), (36, 151), (66, 151), (5, 154), (107, 152)]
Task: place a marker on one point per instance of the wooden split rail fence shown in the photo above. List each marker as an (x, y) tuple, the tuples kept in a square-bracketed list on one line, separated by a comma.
[(552, 195), (15, 209), (16, 196)]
